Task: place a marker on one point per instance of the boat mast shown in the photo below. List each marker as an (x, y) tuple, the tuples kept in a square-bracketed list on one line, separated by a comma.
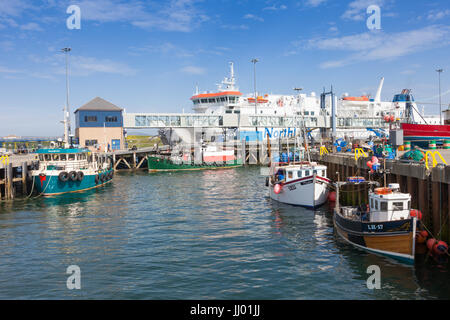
[(66, 120)]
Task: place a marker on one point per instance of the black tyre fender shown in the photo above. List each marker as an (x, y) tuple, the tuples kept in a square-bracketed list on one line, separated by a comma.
[(73, 175), (63, 176), (97, 178), (80, 175), (267, 181)]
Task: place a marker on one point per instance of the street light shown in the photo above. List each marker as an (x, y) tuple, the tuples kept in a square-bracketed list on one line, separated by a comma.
[(439, 71), (66, 109), (254, 61)]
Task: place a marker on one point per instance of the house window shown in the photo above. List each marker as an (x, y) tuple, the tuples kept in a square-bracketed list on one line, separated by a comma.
[(90, 143), (111, 119), (90, 118)]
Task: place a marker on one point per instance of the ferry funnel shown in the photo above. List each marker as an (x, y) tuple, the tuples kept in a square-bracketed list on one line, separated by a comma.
[(380, 86)]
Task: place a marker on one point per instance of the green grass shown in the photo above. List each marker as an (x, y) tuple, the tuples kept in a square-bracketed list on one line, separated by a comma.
[(143, 141)]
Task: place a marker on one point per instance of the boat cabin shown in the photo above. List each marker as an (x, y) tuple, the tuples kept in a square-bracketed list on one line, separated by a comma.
[(70, 159), (389, 203), (295, 172)]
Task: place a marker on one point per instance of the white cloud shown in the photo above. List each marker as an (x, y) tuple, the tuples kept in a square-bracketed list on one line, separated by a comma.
[(434, 15), (378, 46), (314, 3), (356, 10), (235, 26), (253, 17), (276, 8), (31, 26), (176, 15), (193, 70)]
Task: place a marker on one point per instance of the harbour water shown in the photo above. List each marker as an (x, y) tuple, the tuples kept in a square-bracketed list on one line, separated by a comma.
[(192, 235)]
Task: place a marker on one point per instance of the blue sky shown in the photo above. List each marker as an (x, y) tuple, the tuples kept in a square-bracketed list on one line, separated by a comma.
[(147, 56)]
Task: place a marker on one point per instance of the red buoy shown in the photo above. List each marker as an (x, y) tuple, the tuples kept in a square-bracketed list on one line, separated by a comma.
[(277, 188), (440, 248), (332, 196), (386, 118), (392, 118)]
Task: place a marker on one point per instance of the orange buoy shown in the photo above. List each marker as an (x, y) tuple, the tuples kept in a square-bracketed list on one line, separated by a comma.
[(415, 213), (277, 188), (383, 190), (422, 236), (332, 196), (430, 244)]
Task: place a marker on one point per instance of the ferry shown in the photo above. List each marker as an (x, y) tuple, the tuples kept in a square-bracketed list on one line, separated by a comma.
[(70, 170), (227, 99), (205, 158), (384, 226)]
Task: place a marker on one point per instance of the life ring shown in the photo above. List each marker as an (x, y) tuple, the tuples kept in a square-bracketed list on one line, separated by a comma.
[(63, 176), (97, 178), (80, 176), (73, 175), (383, 191)]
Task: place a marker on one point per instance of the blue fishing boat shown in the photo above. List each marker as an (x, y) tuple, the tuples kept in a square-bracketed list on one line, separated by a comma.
[(70, 170)]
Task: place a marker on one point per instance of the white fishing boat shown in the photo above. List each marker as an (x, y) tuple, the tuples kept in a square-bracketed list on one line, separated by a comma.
[(303, 184)]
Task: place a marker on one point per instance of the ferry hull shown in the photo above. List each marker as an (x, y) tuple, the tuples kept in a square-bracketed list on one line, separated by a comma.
[(51, 185), (395, 239), (157, 164), (308, 192)]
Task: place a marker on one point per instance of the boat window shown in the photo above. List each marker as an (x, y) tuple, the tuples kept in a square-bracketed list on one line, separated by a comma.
[(408, 205), (299, 173), (306, 173), (47, 157), (55, 157), (312, 113), (306, 113), (62, 157), (82, 156), (204, 100), (383, 206), (41, 157), (397, 206), (315, 172), (290, 174), (71, 157), (376, 205), (371, 203)]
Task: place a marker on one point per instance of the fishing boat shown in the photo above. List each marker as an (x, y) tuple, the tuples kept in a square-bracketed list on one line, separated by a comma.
[(207, 158), (70, 170), (302, 184), (386, 225)]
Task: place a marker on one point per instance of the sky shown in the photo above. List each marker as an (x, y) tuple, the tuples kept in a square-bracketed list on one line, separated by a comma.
[(148, 56)]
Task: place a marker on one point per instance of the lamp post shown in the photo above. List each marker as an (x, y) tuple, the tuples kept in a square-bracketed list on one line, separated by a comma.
[(439, 71), (66, 109), (254, 61)]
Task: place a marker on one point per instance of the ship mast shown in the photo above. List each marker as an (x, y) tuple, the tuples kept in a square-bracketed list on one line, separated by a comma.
[(66, 120)]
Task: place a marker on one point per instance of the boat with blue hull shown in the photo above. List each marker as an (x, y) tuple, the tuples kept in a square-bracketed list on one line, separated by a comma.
[(70, 170)]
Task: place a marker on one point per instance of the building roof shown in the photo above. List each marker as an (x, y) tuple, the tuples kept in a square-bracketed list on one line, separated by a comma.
[(99, 104)]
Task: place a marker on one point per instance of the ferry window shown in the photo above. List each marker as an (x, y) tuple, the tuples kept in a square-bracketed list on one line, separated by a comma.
[(56, 157), (299, 174), (397, 206), (41, 157), (111, 119), (47, 157), (383, 206), (204, 100), (71, 157), (90, 118), (232, 99), (290, 174), (62, 157), (211, 100)]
